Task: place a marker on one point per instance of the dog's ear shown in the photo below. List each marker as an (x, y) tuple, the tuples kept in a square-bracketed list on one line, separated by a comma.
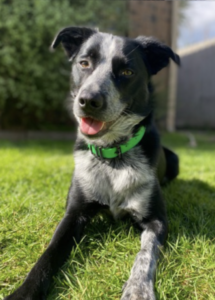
[(156, 54), (72, 39)]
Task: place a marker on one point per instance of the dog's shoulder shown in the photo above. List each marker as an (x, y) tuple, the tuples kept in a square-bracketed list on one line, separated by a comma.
[(150, 143)]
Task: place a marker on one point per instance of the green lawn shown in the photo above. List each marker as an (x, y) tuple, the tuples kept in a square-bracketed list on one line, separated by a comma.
[(34, 180)]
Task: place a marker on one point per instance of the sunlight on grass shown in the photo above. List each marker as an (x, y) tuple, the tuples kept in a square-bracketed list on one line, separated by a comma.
[(34, 180)]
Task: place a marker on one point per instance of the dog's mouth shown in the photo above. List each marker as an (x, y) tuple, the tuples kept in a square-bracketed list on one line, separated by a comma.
[(90, 126)]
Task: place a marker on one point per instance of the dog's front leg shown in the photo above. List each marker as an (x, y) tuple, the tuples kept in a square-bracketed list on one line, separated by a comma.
[(66, 236), (140, 285)]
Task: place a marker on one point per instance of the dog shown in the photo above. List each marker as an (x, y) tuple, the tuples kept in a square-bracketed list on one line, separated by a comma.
[(119, 162)]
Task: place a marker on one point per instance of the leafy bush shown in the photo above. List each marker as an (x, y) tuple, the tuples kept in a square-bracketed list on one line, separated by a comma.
[(33, 82)]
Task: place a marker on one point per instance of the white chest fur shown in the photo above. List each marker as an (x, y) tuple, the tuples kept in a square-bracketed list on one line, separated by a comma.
[(125, 186)]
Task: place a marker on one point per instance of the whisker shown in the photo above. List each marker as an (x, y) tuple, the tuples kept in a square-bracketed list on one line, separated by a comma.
[(127, 111), (130, 60), (133, 50)]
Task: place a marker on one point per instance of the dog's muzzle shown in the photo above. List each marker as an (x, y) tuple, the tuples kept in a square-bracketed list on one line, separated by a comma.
[(91, 103)]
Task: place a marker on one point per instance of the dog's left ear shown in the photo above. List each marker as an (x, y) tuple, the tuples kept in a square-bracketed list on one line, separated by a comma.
[(156, 54), (72, 38)]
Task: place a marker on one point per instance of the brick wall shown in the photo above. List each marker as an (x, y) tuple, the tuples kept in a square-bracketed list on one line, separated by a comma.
[(154, 18)]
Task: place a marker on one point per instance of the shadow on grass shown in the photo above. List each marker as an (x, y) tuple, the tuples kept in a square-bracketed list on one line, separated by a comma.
[(190, 210)]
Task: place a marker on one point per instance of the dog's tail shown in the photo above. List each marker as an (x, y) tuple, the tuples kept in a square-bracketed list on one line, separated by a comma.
[(172, 164)]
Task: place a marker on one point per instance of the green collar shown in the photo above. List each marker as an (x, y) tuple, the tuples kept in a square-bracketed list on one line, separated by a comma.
[(119, 150)]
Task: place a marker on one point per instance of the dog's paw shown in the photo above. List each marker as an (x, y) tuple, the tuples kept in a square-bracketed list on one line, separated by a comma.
[(17, 295), (23, 297), (137, 292), (20, 297)]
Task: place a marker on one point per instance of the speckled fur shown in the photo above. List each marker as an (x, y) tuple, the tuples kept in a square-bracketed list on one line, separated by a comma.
[(125, 186)]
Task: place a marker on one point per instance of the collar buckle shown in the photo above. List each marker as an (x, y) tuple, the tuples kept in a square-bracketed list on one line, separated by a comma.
[(118, 151), (98, 151)]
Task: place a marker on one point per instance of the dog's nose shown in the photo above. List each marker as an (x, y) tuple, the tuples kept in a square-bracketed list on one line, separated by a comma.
[(89, 102)]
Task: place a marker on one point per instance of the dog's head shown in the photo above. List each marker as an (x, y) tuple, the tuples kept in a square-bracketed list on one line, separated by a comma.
[(111, 79)]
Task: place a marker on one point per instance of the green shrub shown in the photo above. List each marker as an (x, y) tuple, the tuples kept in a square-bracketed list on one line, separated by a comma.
[(34, 83)]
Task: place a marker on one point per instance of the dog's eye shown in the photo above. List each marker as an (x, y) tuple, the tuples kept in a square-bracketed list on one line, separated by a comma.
[(84, 64), (127, 72)]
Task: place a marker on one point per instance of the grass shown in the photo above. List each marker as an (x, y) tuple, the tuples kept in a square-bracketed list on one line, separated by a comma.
[(34, 180)]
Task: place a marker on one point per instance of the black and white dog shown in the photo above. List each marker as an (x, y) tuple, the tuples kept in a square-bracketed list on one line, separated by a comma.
[(119, 162)]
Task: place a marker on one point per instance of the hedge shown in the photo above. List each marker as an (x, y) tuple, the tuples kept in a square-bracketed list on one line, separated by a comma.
[(34, 83)]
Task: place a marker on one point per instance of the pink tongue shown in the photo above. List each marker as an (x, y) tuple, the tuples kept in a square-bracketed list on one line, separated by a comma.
[(90, 126)]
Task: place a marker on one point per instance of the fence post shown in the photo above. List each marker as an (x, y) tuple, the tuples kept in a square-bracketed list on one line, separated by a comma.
[(172, 81)]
